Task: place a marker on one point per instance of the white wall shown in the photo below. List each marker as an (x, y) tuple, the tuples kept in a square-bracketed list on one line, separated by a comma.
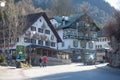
[(38, 24), (104, 44)]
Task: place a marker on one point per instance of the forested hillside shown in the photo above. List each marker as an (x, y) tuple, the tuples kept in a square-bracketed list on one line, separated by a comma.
[(99, 10)]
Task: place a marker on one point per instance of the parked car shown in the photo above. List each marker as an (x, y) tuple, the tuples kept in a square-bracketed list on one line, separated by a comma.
[(89, 59)]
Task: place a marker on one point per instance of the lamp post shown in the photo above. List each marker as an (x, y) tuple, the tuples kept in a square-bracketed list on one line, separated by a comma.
[(2, 4), (30, 37)]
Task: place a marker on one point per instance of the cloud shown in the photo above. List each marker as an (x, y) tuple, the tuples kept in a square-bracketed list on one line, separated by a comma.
[(114, 3)]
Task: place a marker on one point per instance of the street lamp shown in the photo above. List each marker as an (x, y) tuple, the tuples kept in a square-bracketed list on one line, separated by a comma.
[(2, 4), (30, 37)]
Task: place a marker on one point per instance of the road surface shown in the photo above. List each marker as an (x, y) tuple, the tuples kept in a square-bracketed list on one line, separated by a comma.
[(62, 72)]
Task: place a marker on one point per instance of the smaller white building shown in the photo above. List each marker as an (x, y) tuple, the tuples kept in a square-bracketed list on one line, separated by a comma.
[(102, 47), (102, 41)]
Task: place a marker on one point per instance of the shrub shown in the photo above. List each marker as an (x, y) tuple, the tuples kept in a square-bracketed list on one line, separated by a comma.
[(2, 58)]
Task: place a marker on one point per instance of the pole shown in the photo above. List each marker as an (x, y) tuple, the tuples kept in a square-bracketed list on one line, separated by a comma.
[(30, 51), (30, 54), (2, 4)]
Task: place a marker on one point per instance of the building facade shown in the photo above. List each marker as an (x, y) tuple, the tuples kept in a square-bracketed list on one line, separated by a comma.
[(102, 47), (39, 37), (78, 34)]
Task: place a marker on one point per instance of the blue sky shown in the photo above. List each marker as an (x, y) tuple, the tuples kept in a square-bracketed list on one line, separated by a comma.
[(114, 3)]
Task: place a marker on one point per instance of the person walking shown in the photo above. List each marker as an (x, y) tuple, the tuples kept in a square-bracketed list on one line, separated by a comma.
[(44, 60), (40, 61)]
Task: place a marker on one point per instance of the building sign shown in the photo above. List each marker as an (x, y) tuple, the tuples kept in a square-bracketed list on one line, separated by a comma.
[(20, 51)]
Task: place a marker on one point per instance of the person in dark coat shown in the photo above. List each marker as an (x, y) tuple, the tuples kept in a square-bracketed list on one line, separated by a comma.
[(40, 62)]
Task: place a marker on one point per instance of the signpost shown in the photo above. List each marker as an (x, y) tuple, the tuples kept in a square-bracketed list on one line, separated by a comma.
[(20, 51)]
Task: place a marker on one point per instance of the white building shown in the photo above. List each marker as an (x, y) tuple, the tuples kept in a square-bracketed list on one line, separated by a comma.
[(78, 34), (102, 41), (40, 38), (39, 32), (102, 46)]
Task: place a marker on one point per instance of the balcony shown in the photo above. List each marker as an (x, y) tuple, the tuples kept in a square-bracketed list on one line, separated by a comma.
[(84, 38)]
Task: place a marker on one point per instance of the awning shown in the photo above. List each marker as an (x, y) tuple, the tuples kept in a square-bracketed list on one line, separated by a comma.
[(32, 46)]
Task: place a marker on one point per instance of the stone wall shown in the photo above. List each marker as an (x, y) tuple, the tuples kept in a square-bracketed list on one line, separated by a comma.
[(52, 61), (56, 61)]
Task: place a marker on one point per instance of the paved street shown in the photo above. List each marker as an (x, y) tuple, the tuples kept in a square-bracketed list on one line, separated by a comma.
[(63, 72)]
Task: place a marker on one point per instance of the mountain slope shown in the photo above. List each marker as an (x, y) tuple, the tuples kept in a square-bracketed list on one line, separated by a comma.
[(99, 10)]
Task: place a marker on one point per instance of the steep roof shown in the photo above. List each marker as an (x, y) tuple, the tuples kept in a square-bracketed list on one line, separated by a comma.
[(31, 18), (85, 17), (73, 19), (68, 22)]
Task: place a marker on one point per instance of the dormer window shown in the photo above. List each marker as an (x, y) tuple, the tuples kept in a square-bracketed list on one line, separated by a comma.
[(47, 31), (33, 41)]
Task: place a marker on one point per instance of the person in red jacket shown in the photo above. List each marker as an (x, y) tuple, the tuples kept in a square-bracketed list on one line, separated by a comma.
[(44, 60)]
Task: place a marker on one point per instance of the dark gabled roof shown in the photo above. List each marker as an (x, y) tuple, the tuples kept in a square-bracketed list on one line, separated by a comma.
[(68, 22), (31, 18), (58, 19), (73, 19), (85, 17)]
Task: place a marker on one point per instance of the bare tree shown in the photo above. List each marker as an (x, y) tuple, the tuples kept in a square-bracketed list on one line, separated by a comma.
[(112, 27), (15, 19), (84, 7), (61, 7)]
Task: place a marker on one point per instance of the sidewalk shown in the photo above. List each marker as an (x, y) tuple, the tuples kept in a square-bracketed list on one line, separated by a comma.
[(7, 67)]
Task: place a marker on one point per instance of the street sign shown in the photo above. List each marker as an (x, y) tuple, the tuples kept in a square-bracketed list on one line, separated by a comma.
[(20, 53)]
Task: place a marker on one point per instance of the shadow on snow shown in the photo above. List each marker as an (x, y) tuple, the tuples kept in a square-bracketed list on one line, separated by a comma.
[(93, 74)]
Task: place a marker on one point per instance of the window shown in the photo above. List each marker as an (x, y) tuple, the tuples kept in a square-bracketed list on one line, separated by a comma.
[(33, 28), (69, 34), (75, 43), (96, 46), (105, 39), (47, 43), (40, 42), (1, 41), (53, 44), (90, 45), (33, 41), (40, 30), (81, 35), (17, 39), (100, 46), (47, 31), (83, 44), (63, 44)]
